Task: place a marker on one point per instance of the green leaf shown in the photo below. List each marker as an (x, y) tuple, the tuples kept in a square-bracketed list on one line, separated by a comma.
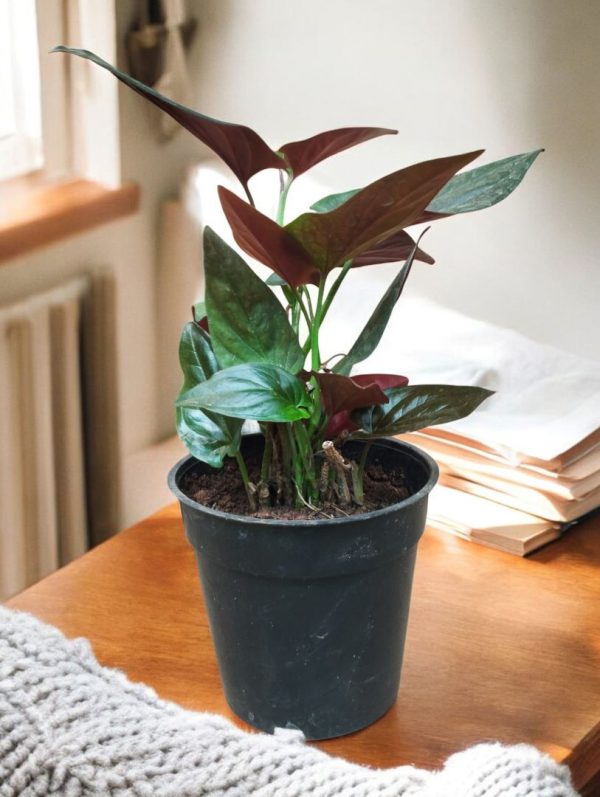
[(484, 186), (369, 338), (276, 281), (333, 201), (375, 213), (466, 192), (257, 391), (196, 356), (247, 323), (199, 311), (417, 406), (208, 436), (243, 150)]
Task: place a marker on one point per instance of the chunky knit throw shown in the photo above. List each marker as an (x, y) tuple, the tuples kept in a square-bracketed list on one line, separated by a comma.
[(71, 727)]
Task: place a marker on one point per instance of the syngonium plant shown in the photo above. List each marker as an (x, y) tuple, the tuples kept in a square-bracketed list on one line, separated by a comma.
[(247, 357)]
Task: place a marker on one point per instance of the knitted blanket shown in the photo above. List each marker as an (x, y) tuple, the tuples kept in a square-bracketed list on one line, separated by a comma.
[(71, 727)]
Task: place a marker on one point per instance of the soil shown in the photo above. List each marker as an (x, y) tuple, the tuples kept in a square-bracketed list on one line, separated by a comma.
[(224, 490)]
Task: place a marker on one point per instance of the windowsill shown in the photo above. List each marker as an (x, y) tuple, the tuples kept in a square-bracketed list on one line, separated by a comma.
[(53, 212)]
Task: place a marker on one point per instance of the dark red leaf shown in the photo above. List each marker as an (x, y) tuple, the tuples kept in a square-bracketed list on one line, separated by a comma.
[(340, 393), (374, 213), (264, 239), (341, 421), (303, 155), (384, 381), (393, 250), (243, 150), (428, 216)]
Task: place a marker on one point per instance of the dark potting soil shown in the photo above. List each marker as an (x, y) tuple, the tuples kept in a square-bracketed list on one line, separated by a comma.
[(224, 490)]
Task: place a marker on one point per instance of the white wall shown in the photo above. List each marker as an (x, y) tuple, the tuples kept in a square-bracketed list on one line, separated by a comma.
[(129, 246), (452, 75)]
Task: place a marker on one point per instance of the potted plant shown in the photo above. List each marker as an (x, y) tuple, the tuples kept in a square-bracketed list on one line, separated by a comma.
[(306, 531)]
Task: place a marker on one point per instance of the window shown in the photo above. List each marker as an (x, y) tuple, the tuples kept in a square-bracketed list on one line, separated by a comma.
[(20, 104)]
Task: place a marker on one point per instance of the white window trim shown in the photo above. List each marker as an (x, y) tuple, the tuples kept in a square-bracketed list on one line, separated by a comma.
[(21, 151), (94, 92), (79, 101)]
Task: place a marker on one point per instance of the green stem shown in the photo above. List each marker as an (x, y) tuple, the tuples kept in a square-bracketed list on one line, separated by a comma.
[(336, 286), (250, 492), (267, 455), (363, 458), (304, 446), (285, 187), (314, 328), (297, 470), (298, 298), (309, 304)]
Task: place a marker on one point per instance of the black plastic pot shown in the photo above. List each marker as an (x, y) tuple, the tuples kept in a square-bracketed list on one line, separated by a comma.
[(308, 618)]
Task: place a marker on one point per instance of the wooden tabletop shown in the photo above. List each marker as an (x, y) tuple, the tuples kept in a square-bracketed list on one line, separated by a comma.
[(498, 647)]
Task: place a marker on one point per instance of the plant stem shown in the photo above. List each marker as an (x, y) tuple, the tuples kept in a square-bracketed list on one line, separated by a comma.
[(285, 187), (336, 286), (298, 299), (297, 469), (363, 458), (309, 304), (358, 474), (314, 328), (267, 455), (249, 487), (249, 195)]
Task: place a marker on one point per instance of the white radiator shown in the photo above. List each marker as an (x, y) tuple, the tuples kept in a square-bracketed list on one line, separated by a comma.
[(58, 428)]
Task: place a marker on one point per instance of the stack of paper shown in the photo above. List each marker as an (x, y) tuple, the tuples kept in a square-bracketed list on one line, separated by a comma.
[(516, 507), (526, 465)]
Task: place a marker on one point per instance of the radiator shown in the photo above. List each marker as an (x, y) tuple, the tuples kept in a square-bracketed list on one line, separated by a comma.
[(58, 428)]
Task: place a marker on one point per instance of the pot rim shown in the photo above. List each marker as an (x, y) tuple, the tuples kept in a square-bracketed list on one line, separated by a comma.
[(408, 448)]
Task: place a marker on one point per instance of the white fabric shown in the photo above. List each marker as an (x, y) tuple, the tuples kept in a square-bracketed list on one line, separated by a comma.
[(71, 727), (546, 400)]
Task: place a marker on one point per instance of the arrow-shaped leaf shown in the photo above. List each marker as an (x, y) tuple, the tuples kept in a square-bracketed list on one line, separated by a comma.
[(247, 322), (207, 436), (339, 393), (262, 238), (417, 406), (396, 248), (302, 155), (375, 213), (484, 186), (466, 192), (368, 340), (243, 150), (196, 356), (254, 391), (333, 201), (341, 421)]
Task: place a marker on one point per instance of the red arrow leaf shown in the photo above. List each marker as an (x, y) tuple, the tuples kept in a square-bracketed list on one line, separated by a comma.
[(243, 150), (341, 421), (393, 250), (374, 213), (303, 155), (339, 393), (264, 239)]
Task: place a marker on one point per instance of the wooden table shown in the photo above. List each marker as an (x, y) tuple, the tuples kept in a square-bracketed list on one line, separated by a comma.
[(498, 647)]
